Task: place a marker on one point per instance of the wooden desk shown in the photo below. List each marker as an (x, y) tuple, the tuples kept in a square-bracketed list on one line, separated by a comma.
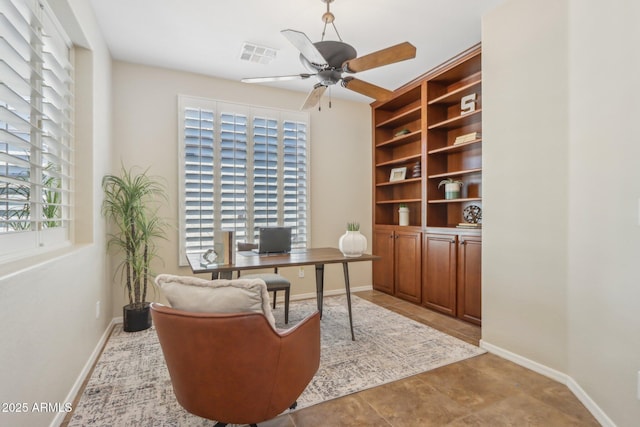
[(315, 256)]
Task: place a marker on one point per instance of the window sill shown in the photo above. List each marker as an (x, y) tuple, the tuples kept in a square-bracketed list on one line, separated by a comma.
[(22, 262)]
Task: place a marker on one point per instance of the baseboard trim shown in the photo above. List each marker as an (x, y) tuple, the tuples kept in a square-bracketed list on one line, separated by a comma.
[(562, 378), (77, 385), (527, 363), (591, 406)]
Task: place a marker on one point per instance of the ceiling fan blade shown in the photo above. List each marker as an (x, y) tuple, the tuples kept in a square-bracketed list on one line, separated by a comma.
[(314, 96), (276, 78), (306, 47), (390, 55), (367, 89)]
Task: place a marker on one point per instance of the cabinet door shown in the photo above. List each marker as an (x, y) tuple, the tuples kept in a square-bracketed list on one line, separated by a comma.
[(439, 286), (408, 259), (469, 278), (383, 268)]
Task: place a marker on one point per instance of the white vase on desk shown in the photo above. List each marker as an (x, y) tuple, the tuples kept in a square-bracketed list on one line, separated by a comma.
[(352, 244)]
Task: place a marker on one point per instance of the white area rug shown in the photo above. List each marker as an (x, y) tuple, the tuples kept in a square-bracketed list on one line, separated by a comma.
[(130, 385)]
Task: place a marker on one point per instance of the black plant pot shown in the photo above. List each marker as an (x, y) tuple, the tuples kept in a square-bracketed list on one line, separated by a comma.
[(137, 317)]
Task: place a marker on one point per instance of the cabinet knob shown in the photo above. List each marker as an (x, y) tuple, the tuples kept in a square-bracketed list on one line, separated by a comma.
[(453, 240), (462, 242)]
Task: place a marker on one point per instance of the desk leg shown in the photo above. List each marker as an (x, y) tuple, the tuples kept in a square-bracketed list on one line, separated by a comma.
[(345, 268), (319, 286)]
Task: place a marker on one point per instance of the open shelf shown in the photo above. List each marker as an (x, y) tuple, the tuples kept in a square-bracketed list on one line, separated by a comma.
[(387, 202), (456, 148), (455, 173), (455, 95), (400, 160), (404, 181), (461, 200), (407, 116), (459, 121), (402, 139)]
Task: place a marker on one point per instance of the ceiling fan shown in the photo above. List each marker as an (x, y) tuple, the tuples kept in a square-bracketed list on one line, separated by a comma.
[(328, 60)]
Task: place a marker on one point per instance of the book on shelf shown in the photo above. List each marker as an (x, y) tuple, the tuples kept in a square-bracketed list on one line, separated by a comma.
[(467, 137), (468, 225), (401, 132)]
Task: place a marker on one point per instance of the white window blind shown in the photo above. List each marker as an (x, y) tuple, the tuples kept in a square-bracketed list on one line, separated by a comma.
[(241, 168), (36, 157)]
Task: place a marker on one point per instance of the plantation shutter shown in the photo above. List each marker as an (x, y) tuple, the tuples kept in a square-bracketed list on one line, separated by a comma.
[(241, 168), (295, 180), (198, 179), (265, 173), (233, 175), (57, 156), (36, 110)]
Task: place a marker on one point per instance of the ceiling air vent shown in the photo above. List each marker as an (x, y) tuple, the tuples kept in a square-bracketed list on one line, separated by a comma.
[(258, 54)]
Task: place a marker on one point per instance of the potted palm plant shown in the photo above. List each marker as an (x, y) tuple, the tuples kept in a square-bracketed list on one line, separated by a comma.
[(131, 203)]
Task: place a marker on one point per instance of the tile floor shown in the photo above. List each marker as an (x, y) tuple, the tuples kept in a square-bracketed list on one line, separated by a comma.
[(482, 391)]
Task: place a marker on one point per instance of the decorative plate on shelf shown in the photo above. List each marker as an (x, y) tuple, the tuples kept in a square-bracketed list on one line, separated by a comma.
[(472, 214)]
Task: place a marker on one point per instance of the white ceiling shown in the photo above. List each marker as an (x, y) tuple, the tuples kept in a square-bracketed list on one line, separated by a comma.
[(206, 36)]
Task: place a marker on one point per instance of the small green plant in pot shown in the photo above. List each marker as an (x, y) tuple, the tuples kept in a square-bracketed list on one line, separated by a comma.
[(451, 188), (353, 226), (131, 203)]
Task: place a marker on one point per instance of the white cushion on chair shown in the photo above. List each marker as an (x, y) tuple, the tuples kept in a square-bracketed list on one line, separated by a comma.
[(194, 294)]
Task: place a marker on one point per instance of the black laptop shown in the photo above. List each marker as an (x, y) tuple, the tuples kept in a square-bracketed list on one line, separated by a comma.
[(274, 240)]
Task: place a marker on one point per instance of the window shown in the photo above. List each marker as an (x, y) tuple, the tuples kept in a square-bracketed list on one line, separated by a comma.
[(241, 168), (36, 158)]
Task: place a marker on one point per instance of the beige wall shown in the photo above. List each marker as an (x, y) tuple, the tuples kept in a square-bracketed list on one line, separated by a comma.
[(525, 130), (48, 318), (604, 225), (146, 135), (561, 188)]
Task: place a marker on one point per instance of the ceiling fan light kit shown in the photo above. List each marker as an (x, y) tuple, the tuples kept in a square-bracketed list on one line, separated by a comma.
[(329, 59)]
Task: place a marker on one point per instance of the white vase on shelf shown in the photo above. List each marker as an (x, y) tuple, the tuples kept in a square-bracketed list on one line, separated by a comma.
[(403, 216), (352, 244)]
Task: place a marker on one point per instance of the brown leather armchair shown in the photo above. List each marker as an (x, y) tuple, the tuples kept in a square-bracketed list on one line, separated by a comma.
[(235, 368)]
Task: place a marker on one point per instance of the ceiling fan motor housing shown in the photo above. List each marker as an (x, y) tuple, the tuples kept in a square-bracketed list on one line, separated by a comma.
[(334, 52)]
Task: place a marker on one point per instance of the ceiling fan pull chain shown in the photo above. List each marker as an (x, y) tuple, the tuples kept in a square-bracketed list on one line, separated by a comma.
[(329, 96)]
